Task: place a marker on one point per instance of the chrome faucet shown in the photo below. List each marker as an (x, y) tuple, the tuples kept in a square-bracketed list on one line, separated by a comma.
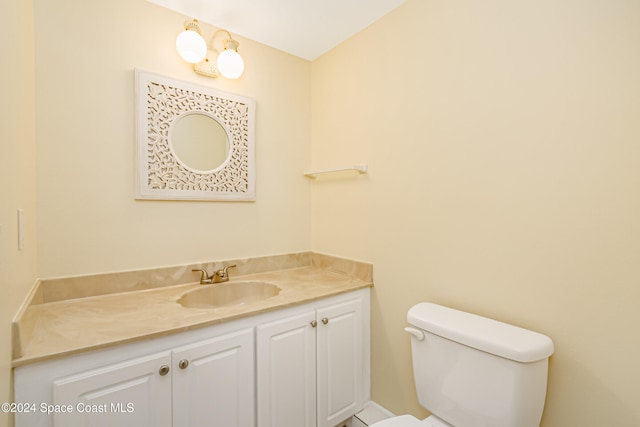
[(218, 276)]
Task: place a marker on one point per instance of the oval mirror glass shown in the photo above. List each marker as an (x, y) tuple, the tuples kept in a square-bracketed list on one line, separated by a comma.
[(199, 141)]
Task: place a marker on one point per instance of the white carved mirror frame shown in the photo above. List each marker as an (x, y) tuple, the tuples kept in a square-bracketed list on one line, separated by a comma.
[(160, 173)]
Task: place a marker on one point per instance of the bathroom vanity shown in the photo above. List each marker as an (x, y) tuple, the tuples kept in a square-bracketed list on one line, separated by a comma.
[(296, 358)]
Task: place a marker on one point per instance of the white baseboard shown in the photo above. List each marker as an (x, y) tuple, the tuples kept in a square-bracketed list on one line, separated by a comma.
[(380, 408), (372, 413), (355, 422)]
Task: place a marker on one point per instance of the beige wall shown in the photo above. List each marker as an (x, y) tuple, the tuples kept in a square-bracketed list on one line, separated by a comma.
[(17, 173), (89, 221), (503, 140)]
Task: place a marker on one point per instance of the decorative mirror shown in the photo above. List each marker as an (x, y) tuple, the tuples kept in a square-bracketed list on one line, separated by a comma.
[(194, 142)]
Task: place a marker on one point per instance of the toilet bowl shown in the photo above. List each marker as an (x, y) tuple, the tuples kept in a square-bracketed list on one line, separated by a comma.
[(410, 421)]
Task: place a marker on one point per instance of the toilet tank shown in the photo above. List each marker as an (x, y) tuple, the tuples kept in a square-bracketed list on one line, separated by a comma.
[(472, 371)]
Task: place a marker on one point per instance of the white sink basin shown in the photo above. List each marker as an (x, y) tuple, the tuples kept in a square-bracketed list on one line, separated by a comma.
[(228, 294)]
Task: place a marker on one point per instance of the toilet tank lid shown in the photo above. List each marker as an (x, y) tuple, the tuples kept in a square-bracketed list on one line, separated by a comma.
[(488, 335)]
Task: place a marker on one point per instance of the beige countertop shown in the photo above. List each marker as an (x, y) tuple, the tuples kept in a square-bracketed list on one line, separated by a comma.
[(56, 326)]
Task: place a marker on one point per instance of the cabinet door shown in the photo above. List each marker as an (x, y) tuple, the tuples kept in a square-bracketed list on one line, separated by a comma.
[(135, 393), (286, 370), (213, 382), (340, 370)]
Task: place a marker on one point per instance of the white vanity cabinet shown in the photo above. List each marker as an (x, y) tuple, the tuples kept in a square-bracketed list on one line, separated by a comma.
[(286, 366), (305, 365), (131, 393), (214, 380), (339, 362), (190, 385), (311, 367)]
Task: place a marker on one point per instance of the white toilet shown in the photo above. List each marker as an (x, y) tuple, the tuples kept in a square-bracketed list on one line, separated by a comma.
[(471, 371)]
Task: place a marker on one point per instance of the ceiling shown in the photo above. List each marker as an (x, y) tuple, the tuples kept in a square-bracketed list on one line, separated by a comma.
[(304, 28)]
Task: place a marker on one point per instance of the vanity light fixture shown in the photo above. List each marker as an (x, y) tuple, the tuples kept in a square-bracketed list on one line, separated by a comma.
[(190, 44), (205, 58)]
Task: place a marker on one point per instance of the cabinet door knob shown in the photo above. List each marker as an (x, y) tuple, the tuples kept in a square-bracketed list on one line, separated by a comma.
[(183, 364), (314, 323), (325, 320), (164, 370)]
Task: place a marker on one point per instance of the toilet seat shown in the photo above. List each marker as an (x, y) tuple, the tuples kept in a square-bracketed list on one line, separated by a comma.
[(410, 421)]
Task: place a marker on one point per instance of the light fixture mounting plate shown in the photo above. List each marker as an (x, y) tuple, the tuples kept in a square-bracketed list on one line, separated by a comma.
[(208, 67)]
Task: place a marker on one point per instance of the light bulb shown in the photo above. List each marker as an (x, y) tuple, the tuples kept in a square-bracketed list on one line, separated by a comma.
[(191, 46), (230, 64)]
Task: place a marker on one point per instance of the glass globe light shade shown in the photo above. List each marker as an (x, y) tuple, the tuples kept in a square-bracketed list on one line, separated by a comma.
[(191, 46), (230, 64)]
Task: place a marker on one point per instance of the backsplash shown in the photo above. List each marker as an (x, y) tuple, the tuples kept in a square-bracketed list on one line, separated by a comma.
[(59, 289)]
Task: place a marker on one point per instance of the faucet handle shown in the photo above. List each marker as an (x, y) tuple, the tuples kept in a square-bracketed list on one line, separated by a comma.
[(225, 273), (204, 276)]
